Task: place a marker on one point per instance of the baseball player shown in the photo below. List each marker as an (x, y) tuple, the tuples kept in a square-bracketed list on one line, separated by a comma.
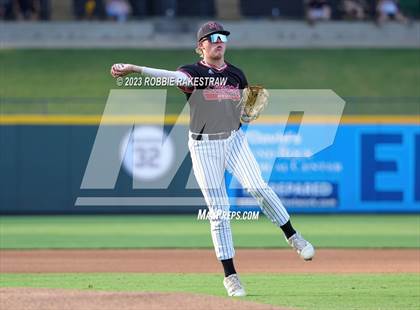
[(217, 142)]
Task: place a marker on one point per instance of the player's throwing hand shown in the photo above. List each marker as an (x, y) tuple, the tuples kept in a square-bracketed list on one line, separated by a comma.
[(121, 69)]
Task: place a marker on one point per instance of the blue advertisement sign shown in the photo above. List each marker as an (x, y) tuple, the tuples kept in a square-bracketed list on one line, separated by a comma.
[(368, 168)]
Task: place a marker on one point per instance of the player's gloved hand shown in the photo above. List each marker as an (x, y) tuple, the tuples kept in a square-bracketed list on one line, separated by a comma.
[(254, 100), (121, 69)]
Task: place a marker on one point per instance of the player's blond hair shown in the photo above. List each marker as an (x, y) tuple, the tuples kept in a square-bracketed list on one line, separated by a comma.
[(199, 50)]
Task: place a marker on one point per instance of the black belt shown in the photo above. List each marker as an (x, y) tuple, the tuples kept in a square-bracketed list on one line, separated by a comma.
[(212, 136)]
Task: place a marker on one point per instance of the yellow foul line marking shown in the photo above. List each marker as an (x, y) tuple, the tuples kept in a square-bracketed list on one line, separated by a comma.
[(40, 119)]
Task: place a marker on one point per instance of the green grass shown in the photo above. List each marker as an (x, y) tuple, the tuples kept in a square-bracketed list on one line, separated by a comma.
[(146, 231), (299, 291), (316, 291), (78, 81)]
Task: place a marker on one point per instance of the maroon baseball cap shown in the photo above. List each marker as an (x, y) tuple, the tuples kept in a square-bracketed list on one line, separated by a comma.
[(210, 28)]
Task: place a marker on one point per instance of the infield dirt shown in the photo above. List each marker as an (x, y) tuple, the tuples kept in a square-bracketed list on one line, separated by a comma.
[(54, 299), (204, 261)]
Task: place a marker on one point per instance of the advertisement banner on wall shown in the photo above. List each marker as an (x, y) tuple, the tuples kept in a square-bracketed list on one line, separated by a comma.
[(368, 168)]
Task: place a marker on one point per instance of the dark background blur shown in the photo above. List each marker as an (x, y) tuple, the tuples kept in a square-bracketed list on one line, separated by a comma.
[(139, 9)]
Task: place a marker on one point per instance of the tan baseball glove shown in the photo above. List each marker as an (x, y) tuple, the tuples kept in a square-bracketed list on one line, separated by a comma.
[(254, 100)]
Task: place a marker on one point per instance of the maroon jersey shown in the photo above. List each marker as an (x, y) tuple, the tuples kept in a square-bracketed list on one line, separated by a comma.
[(214, 105)]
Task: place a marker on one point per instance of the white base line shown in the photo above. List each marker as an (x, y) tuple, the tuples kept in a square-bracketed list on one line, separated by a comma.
[(147, 201)]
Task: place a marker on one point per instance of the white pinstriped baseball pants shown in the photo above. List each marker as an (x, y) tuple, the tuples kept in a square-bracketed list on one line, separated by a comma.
[(210, 158)]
